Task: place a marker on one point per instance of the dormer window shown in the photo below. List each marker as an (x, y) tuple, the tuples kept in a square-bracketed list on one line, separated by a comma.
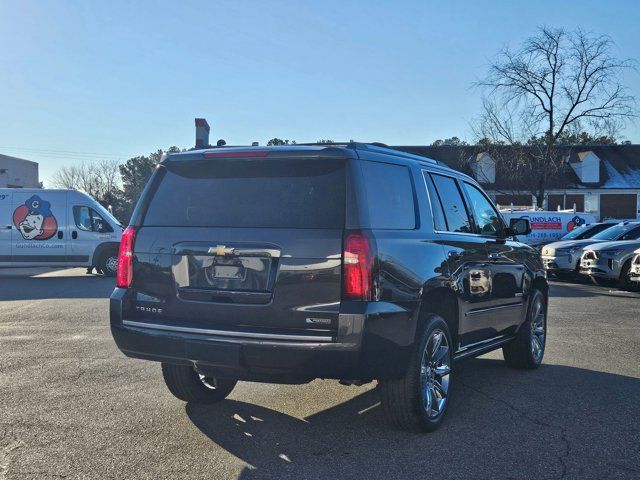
[(586, 166), (484, 168)]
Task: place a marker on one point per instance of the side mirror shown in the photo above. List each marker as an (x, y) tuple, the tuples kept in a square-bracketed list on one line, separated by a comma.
[(518, 226)]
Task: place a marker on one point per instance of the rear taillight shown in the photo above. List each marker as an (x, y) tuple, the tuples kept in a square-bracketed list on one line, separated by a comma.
[(124, 276), (357, 267)]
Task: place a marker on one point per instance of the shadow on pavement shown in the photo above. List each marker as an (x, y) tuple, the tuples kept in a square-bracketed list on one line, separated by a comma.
[(578, 290), (502, 423), (39, 288)]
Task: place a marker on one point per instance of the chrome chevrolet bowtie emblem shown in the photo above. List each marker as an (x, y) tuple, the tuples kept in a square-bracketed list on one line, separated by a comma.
[(220, 250)]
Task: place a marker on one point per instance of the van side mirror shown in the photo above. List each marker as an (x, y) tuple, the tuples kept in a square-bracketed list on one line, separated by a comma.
[(518, 226)]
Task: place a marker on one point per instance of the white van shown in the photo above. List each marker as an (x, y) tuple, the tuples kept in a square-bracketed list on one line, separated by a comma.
[(548, 226), (56, 228)]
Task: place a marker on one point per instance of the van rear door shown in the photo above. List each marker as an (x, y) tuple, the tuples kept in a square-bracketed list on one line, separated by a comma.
[(6, 227), (243, 243)]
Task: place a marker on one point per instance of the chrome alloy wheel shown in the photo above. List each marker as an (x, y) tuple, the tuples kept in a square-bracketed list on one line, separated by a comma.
[(434, 374), (538, 330), (208, 382)]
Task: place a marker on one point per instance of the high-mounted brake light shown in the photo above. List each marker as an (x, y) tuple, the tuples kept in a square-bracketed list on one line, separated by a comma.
[(124, 275), (357, 267), (235, 154)]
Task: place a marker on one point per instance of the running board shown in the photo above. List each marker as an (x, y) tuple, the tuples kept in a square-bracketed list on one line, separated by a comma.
[(487, 346)]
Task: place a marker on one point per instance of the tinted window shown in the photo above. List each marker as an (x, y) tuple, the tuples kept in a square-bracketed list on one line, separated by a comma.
[(439, 222), (389, 196), (485, 215), (250, 193), (632, 235), (452, 203)]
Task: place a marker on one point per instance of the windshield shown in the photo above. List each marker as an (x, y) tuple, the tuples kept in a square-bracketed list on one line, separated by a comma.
[(611, 233), (107, 214), (576, 233)]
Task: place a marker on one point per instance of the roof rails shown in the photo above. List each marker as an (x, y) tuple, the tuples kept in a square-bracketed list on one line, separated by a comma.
[(372, 147)]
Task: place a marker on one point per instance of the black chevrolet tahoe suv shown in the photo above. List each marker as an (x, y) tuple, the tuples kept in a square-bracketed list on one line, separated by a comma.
[(351, 261)]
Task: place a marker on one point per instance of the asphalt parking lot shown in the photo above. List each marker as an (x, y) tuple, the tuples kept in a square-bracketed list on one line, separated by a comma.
[(72, 406)]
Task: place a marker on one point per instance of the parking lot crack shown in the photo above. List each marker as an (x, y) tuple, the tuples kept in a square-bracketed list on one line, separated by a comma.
[(566, 451)]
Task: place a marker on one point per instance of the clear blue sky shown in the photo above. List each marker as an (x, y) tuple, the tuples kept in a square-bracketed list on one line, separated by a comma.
[(120, 79)]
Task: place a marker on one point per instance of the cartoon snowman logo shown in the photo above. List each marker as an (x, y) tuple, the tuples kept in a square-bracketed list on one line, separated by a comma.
[(34, 219)]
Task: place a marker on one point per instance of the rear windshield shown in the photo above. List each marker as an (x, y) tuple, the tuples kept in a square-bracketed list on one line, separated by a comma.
[(251, 193)]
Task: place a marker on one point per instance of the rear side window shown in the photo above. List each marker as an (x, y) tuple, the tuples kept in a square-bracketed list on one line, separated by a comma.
[(389, 196), (452, 203), (250, 193), (439, 223)]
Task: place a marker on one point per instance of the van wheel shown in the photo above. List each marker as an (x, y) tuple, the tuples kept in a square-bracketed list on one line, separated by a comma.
[(419, 400), (109, 264), (527, 349), (189, 386)]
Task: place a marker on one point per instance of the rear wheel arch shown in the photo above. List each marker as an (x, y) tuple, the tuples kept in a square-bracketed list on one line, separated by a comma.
[(443, 302), (541, 284)]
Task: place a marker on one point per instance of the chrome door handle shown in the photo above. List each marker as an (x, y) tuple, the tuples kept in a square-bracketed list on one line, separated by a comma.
[(7, 227), (494, 256)]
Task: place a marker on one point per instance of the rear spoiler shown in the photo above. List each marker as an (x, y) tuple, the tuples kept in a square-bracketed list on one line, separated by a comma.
[(254, 153)]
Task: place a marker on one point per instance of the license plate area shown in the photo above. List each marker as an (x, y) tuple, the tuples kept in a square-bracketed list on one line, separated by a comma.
[(226, 272), (233, 274)]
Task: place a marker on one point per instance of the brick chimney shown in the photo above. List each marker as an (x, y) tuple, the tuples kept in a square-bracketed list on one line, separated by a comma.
[(202, 133)]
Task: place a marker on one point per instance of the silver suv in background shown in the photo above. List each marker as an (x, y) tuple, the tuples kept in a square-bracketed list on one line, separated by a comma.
[(609, 262), (562, 258), (634, 271)]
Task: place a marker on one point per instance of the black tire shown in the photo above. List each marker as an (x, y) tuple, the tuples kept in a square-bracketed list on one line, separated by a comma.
[(625, 281), (403, 399), (187, 385), (108, 264), (519, 353)]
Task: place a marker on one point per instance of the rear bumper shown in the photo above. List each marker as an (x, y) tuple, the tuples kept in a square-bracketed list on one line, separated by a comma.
[(373, 341)]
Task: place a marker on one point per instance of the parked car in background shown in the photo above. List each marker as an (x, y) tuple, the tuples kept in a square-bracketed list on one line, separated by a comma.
[(634, 272), (56, 228), (587, 231), (563, 258), (609, 262), (350, 261)]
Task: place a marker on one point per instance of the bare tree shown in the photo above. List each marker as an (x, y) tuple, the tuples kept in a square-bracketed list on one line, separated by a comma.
[(101, 180), (558, 83)]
